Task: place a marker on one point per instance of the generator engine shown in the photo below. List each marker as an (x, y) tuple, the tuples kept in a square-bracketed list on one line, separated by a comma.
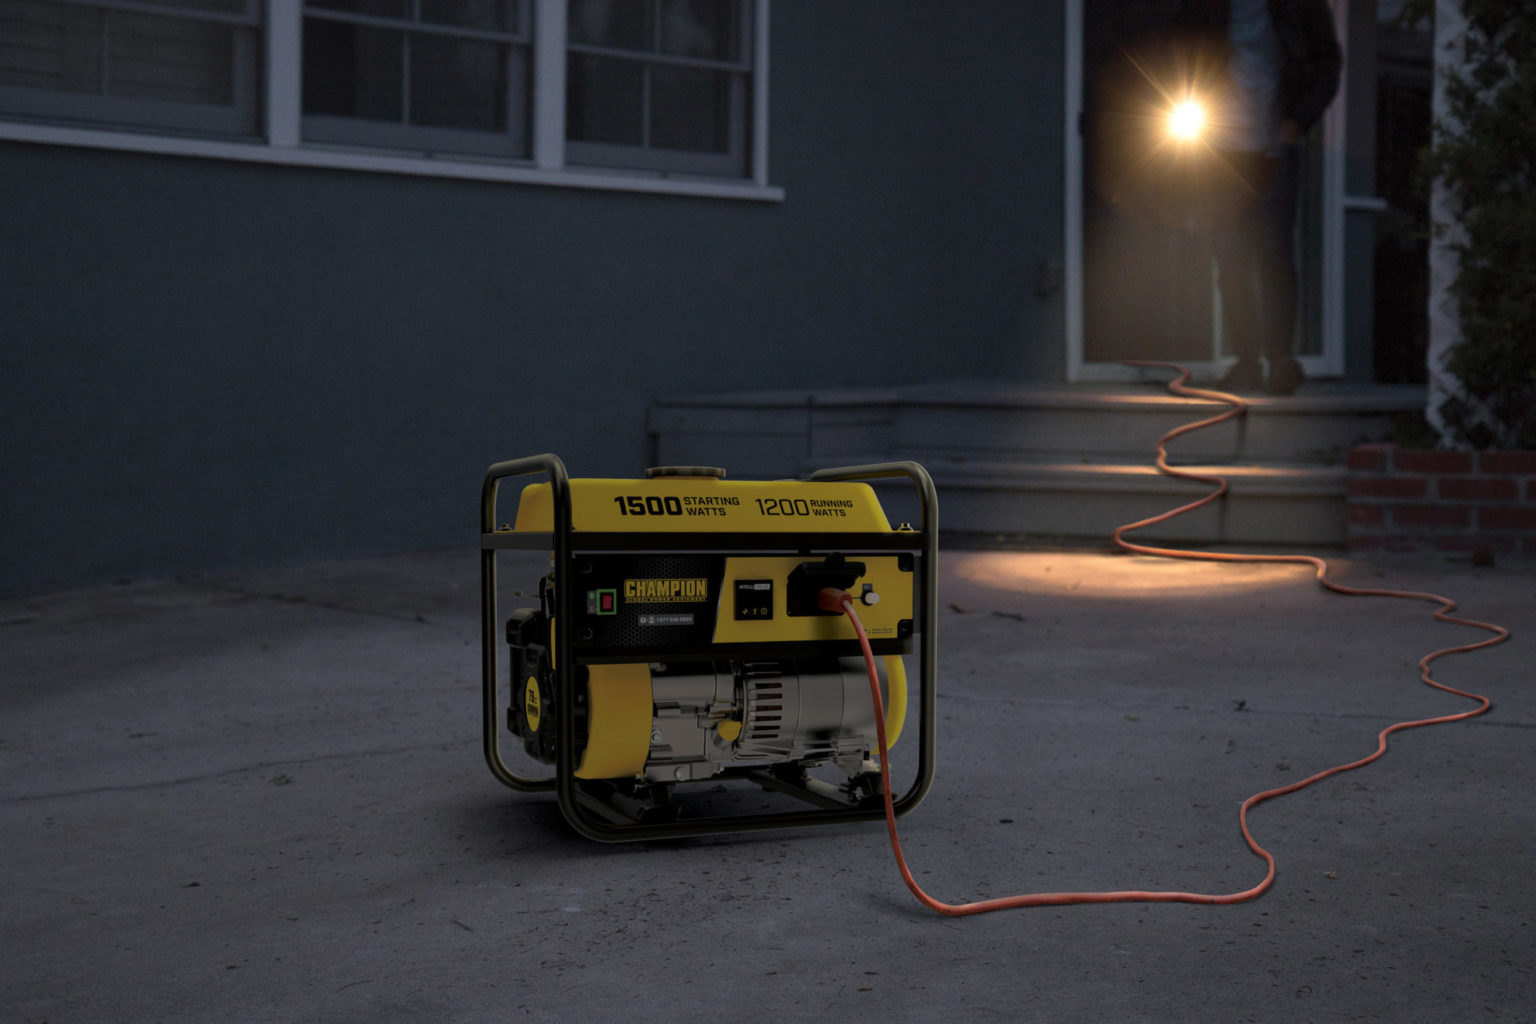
[(677, 639), (701, 717)]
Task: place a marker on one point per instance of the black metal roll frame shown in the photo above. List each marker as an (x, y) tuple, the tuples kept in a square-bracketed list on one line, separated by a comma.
[(584, 812)]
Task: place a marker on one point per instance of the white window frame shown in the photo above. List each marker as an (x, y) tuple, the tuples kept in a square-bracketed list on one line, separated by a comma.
[(737, 68), (281, 139), (239, 119), (516, 51)]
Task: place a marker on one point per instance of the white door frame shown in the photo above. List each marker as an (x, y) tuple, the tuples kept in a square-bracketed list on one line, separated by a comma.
[(1331, 362)]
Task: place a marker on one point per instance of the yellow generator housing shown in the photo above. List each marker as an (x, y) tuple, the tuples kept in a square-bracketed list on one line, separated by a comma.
[(677, 640)]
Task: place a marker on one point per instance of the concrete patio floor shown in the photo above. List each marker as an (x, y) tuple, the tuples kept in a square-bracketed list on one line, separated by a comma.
[(260, 797)]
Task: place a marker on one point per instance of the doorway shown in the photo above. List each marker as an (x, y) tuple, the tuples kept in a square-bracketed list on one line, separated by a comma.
[(1145, 282), (1389, 81)]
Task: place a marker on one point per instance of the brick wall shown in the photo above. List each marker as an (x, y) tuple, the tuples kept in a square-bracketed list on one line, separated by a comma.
[(1402, 500)]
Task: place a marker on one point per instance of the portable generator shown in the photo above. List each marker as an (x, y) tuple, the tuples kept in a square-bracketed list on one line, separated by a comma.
[(677, 640)]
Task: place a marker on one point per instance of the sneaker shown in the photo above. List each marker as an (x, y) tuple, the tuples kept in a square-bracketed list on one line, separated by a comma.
[(1245, 375), (1285, 376)]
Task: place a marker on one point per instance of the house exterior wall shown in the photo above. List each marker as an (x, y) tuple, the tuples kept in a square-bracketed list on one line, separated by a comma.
[(206, 364)]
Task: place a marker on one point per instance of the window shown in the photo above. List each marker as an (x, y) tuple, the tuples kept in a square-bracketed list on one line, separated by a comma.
[(180, 65), (435, 75), (659, 84), (646, 95)]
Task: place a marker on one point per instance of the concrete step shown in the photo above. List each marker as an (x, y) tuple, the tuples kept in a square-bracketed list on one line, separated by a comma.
[(1066, 463), (768, 433), (1106, 424), (1265, 504)]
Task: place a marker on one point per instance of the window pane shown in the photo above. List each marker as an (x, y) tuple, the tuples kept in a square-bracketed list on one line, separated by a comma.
[(620, 23), (353, 70), (701, 28), (378, 8), (604, 99), (458, 83), (154, 58), (492, 15), (50, 46), (690, 109)]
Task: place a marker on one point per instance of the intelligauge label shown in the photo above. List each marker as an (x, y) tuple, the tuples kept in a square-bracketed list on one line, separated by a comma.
[(665, 591)]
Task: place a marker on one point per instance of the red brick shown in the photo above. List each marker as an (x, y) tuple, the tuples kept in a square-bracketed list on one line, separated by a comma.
[(1433, 462), (1530, 490), (1388, 487), (1360, 514), (1511, 463), (1431, 515), (1507, 517), (1528, 545), (1369, 456), (1471, 542), (1477, 488), (1355, 543)]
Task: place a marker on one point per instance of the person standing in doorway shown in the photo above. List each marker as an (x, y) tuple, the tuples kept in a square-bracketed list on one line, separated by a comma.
[(1282, 63)]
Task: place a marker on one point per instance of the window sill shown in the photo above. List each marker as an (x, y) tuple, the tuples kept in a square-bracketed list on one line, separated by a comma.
[(338, 158)]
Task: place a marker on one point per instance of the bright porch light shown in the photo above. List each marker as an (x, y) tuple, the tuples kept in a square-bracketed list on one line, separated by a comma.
[(1186, 122)]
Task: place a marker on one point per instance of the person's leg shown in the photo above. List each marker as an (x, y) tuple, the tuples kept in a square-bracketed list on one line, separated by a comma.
[(1239, 242), (1277, 271)]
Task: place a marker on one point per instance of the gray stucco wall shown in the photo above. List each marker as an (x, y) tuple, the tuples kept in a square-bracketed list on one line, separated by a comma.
[(207, 364)]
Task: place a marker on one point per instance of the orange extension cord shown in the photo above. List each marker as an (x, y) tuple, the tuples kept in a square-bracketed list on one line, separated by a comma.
[(833, 600)]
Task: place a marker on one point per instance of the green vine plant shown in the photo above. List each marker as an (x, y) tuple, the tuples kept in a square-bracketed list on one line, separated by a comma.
[(1484, 154)]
